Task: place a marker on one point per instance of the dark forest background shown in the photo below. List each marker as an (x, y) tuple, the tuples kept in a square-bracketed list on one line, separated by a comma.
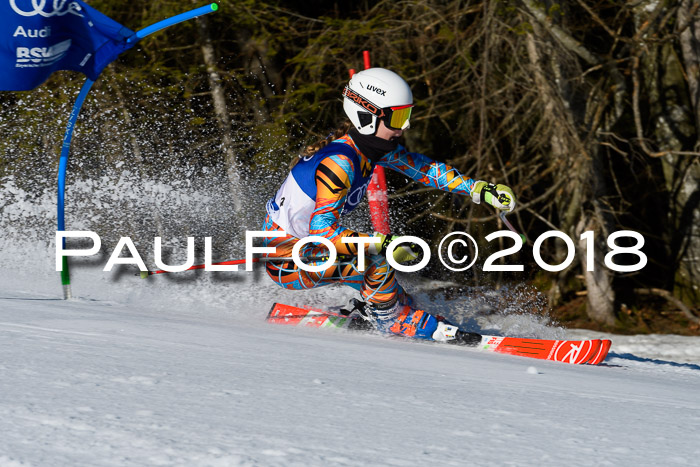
[(589, 110)]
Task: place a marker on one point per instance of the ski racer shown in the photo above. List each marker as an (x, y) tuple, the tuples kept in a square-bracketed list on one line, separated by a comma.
[(330, 178)]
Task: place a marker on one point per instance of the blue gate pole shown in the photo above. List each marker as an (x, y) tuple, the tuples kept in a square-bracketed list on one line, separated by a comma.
[(62, 166), (155, 27), (68, 135)]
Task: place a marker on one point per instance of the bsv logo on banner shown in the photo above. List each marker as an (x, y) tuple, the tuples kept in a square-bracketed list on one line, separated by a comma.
[(38, 7), (41, 56)]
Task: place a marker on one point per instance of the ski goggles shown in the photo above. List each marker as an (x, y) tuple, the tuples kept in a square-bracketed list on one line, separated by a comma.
[(397, 118)]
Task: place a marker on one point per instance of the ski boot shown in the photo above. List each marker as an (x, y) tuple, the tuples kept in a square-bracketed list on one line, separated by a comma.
[(359, 318), (405, 321), (369, 316)]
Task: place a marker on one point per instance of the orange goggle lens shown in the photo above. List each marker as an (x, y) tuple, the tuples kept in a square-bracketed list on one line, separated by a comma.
[(400, 117)]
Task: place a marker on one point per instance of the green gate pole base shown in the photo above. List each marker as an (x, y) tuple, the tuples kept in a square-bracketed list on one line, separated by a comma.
[(65, 280)]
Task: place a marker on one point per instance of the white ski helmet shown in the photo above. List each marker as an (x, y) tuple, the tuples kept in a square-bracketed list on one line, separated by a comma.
[(374, 94)]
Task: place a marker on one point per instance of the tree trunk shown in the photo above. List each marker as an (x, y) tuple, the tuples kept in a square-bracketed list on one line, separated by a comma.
[(600, 296), (233, 169), (689, 193), (580, 162), (690, 48)]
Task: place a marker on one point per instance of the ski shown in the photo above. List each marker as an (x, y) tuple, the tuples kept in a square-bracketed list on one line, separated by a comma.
[(591, 352), (306, 317)]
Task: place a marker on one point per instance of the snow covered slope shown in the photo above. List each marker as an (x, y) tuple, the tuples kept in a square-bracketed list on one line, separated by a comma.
[(183, 370), (168, 374)]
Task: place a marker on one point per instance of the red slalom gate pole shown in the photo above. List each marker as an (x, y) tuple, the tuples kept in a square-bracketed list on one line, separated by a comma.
[(376, 191), (378, 201), (365, 57)]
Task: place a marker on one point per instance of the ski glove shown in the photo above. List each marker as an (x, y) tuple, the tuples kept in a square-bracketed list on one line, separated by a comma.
[(403, 253), (499, 196)]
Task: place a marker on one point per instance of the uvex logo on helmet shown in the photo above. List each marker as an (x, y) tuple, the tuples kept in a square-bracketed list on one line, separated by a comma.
[(381, 92), (364, 103)]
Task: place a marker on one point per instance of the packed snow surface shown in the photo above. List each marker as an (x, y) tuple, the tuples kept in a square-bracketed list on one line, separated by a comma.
[(183, 370), (159, 372)]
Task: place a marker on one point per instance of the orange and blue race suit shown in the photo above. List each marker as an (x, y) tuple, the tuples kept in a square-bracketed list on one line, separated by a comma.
[(323, 187)]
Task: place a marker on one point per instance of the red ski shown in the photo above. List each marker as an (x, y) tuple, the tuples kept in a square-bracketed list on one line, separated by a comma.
[(308, 317), (591, 352)]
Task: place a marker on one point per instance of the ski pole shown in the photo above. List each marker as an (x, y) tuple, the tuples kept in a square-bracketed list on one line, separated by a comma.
[(502, 215), (230, 262)]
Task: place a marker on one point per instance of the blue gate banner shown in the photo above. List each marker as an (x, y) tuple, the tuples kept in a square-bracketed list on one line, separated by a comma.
[(38, 37)]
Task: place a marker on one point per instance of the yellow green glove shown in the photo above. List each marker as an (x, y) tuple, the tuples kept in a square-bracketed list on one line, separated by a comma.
[(403, 253), (499, 196)]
